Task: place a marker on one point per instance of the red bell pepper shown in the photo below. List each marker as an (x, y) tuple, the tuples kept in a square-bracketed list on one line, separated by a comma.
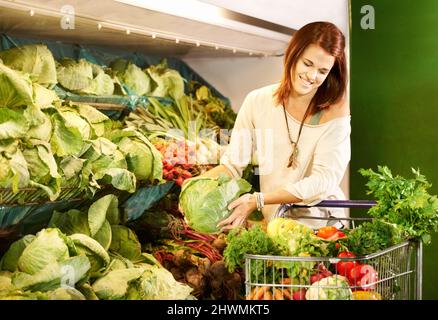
[(343, 268), (364, 277)]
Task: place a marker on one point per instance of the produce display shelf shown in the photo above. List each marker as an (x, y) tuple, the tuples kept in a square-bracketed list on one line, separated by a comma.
[(102, 105), (33, 196)]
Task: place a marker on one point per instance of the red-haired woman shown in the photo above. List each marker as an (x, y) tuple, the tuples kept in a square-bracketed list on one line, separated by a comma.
[(298, 131)]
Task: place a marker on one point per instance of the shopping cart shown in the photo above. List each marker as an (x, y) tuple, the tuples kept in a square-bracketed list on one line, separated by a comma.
[(394, 273)]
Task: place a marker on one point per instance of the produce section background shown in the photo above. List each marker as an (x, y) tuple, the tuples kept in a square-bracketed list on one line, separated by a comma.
[(394, 100)]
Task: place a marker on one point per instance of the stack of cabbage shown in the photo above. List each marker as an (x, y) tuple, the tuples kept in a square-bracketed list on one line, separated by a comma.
[(85, 256), (49, 144), (121, 78)]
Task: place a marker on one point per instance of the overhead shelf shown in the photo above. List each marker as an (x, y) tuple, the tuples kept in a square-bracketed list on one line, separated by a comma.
[(119, 25)]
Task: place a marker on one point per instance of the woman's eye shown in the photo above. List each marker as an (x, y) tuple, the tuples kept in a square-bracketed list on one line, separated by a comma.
[(307, 64), (323, 72)]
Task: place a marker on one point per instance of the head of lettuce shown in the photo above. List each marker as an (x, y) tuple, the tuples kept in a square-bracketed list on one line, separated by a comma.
[(205, 200)]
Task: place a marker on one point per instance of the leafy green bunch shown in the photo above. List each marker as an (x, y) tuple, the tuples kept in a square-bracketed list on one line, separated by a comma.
[(404, 202)]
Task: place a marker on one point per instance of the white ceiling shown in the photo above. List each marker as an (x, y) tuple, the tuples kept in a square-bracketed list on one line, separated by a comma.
[(291, 13)]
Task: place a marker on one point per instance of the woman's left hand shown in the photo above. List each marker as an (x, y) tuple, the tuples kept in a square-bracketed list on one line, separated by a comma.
[(243, 207)]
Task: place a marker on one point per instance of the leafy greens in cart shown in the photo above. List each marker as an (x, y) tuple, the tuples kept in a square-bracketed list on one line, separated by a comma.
[(403, 202)]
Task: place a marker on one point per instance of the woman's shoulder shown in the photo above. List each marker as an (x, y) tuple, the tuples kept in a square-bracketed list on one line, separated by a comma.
[(264, 92), (339, 110), (258, 99)]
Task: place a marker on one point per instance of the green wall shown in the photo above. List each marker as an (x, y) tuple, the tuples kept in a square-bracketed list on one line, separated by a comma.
[(394, 99)]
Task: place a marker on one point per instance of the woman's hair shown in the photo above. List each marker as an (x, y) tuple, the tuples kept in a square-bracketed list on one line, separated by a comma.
[(330, 38)]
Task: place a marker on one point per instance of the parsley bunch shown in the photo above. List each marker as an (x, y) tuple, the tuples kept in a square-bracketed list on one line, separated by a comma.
[(371, 237), (251, 241), (404, 202)]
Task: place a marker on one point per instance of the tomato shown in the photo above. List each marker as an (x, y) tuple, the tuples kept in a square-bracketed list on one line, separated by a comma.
[(340, 235), (364, 277), (369, 278), (344, 268), (326, 232), (300, 294), (354, 274)]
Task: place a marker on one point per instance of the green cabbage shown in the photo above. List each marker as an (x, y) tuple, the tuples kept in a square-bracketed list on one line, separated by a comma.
[(65, 140), (101, 84), (167, 82), (138, 158), (65, 294), (70, 222), (157, 283), (47, 247), (16, 174), (34, 59), (41, 131), (6, 282), (84, 77), (93, 250), (74, 75), (95, 224), (115, 284), (205, 200), (12, 124), (10, 258), (43, 97), (53, 275), (15, 88), (135, 79), (125, 242)]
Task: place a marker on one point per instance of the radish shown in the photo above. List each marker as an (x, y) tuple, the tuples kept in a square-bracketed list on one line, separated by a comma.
[(300, 294)]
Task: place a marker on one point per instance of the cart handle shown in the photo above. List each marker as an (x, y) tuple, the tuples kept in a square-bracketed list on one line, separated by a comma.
[(329, 204), (338, 204)]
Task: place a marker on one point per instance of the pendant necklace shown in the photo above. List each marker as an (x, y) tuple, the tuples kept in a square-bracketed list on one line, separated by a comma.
[(294, 155)]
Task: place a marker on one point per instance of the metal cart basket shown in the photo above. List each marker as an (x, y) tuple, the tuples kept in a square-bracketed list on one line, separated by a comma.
[(394, 273)]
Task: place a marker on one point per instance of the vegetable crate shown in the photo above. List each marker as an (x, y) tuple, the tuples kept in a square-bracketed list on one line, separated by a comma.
[(391, 274)]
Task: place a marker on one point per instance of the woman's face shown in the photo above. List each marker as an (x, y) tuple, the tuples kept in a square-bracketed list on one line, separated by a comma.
[(311, 69)]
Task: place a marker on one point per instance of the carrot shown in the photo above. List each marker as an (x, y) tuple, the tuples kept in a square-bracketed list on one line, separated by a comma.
[(251, 294), (267, 295), (286, 281), (287, 295), (278, 295), (259, 293)]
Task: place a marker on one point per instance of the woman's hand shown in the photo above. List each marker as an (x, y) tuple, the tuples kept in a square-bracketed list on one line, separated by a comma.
[(243, 207)]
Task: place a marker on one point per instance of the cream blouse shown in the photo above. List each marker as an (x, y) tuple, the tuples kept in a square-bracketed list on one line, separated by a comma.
[(260, 136)]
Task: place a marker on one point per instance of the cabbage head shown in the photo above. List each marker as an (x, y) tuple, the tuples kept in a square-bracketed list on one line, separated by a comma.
[(166, 82), (35, 60), (205, 200), (135, 80), (15, 88), (335, 287), (125, 242)]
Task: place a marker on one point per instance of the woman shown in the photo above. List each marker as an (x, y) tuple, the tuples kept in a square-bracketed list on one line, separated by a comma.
[(299, 131)]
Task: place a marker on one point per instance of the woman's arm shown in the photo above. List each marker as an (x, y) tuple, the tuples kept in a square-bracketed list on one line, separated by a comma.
[(247, 203), (216, 171), (279, 197)]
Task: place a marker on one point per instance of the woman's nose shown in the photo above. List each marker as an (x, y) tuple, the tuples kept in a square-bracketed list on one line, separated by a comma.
[(311, 75)]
